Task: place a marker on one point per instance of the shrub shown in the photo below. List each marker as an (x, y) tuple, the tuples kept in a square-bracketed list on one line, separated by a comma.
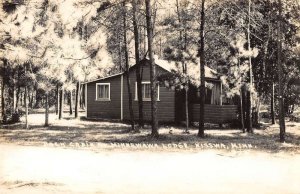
[(15, 117), (10, 118)]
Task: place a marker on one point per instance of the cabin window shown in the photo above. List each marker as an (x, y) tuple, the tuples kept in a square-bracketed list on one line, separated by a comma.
[(146, 91), (103, 91), (212, 95)]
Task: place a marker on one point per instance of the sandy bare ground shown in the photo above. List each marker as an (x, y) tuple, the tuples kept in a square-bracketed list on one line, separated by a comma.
[(29, 163), (31, 169)]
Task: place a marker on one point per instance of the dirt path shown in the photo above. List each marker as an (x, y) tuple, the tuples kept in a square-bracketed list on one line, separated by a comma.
[(30, 169)]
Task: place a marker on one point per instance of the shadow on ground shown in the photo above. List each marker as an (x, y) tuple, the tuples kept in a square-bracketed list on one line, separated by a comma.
[(73, 130)]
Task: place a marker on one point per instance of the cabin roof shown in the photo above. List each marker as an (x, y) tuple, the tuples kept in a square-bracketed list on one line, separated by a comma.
[(168, 66), (171, 65), (110, 76)]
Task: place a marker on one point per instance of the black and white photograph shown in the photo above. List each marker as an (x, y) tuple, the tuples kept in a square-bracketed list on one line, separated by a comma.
[(149, 96)]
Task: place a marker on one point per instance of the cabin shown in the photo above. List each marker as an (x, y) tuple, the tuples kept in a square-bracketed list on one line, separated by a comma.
[(107, 98)]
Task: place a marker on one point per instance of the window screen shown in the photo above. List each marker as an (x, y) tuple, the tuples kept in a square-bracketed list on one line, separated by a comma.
[(103, 91)]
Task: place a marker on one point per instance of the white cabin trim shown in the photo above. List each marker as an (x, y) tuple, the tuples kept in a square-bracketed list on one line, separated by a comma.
[(145, 82), (102, 99)]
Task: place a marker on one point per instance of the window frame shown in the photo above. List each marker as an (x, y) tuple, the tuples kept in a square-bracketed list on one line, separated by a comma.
[(145, 99), (102, 99)]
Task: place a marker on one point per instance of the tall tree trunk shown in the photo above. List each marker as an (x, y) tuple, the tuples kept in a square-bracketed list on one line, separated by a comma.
[(127, 68), (202, 72), (145, 40), (186, 88), (154, 132), (249, 93), (81, 94), (23, 97), (120, 52), (137, 61), (187, 120), (32, 98), (71, 102), (248, 111), (280, 75), (26, 102), (61, 102), (21, 94), (265, 50), (47, 110), (242, 91), (26, 108), (29, 96), (242, 109), (14, 95), (2, 98), (57, 99), (77, 99), (37, 98), (183, 40), (186, 85), (18, 92), (18, 88), (273, 105), (179, 19)]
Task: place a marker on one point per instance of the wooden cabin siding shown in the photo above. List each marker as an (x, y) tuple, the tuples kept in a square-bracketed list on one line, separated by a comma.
[(215, 113), (165, 105), (167, 112), (105, 109)]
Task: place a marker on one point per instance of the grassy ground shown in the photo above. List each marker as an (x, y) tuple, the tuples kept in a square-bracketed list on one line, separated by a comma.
[(70, 130)]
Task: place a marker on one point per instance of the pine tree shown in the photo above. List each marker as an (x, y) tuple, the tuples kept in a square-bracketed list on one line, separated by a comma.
[(280, 74), (153, 79), (202, 71)]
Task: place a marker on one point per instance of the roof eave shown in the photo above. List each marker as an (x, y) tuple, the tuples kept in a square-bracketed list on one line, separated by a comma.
[(115, 75)]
